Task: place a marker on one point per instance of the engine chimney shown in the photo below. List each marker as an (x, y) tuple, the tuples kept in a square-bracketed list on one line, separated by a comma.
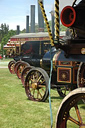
[(18, 29), (52, 20), (40, 20), (27, 24), (32, 18)]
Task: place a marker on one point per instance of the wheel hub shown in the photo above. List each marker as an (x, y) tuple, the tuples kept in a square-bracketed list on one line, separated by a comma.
[(34, 85)]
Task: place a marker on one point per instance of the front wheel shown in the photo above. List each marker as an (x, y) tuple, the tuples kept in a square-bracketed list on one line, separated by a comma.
[(36, 84)]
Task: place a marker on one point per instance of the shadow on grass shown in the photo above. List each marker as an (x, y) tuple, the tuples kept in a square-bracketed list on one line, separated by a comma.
[(47, 100), (54, 97), (83, 106)]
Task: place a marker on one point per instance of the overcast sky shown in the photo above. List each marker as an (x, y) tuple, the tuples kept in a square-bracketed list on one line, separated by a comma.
[(13, 12)]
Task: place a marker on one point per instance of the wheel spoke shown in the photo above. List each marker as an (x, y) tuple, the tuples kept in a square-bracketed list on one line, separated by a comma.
[(42, 82), (32, 80), (33, 77), (21, 68), (33, 92), (36, 74), (78, 114), (43, 90), (39, 93), (39, 78), (42, 86), (73, 120)]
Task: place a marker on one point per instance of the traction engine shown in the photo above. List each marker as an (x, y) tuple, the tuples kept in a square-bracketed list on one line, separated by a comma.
[(74, 50)]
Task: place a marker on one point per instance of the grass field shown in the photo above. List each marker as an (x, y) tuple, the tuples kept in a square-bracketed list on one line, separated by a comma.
[(4, 62), (16, 111)]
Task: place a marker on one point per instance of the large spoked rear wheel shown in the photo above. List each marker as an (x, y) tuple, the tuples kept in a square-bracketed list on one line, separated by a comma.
[(15, 67), (81, 75), (71, 112), (20, 68), (11, 67), (24, 74), (12, 61), (36, 84)]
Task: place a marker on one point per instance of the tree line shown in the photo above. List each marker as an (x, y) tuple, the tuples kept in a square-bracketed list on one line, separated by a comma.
[(5, 35)]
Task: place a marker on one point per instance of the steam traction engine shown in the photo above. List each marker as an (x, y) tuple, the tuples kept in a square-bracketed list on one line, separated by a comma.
[(74, 50)]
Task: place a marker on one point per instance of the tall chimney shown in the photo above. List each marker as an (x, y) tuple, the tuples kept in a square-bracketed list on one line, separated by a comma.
[(27, 24), (18, 29), (40, 19), (52, 20), (32, 18)]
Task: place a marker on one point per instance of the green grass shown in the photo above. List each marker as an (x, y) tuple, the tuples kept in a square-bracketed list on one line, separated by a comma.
[(4, 62), (16, 111)]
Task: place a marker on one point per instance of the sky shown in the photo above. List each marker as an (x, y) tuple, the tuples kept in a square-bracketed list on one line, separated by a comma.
[(14, 12)]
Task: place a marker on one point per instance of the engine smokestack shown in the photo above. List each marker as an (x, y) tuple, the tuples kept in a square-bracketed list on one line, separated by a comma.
[(32, 18), (18, 29), (40, 19), (52, 20), (27, 24)]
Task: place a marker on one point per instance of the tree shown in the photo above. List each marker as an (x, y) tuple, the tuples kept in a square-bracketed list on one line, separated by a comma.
[(5, 39), (3, 30)]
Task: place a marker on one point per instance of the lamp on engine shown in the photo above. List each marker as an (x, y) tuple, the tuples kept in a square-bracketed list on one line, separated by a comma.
[(73, 17)]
